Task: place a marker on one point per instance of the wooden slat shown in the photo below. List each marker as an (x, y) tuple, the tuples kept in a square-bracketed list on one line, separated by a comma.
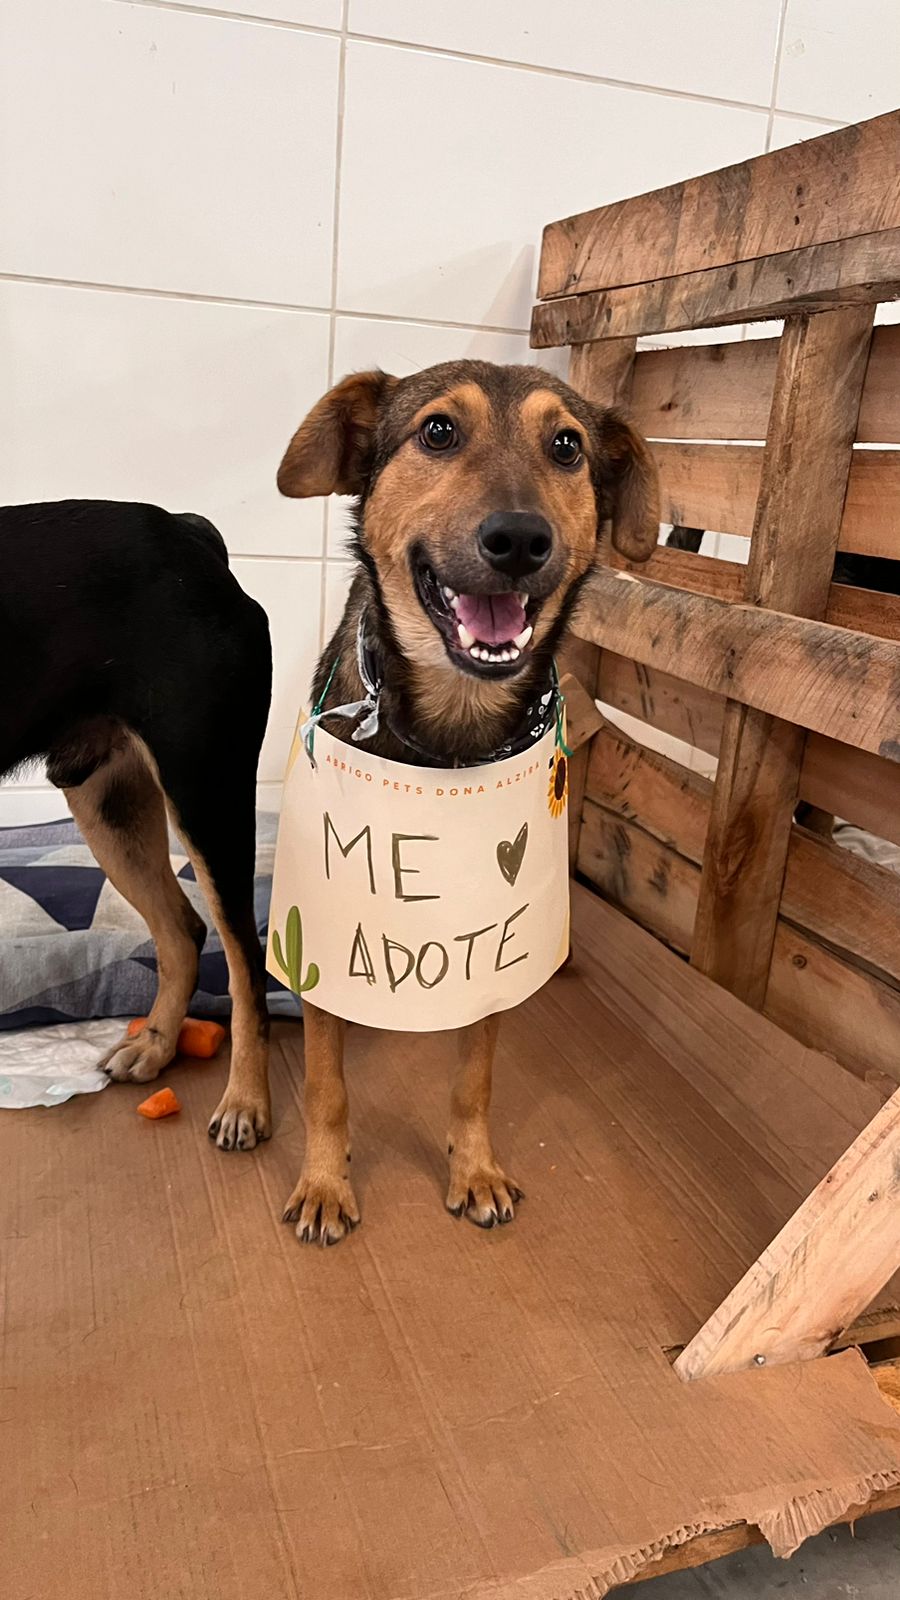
[(821, 366), (825, 1266), (854, 785), (851, 784), (828, 188), (602, 370), (578, 664), (864, 610), (813, 993), (724, 391), (856, 271), (847, 902), (716, 486), (834, 1006), (836, 682)]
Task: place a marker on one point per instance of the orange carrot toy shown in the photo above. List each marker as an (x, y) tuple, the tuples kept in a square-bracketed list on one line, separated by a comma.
[(198, 1039), (161, 1104)]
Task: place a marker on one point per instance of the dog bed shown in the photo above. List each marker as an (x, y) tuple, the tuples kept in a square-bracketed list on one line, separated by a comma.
[(72, 948)]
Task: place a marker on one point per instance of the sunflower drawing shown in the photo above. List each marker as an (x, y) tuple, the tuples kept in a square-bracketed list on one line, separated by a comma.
[(558, 787)]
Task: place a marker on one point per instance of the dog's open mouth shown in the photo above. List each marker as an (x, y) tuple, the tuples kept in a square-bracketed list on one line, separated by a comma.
[(486, 632)]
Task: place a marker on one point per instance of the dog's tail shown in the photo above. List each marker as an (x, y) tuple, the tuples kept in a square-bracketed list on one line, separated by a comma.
[(210, 535)]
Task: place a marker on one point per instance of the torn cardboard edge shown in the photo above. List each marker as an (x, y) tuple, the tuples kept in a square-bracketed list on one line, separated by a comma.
[(784, 1527)]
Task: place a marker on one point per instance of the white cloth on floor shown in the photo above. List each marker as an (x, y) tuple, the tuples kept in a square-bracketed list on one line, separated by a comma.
[(44, 1066)]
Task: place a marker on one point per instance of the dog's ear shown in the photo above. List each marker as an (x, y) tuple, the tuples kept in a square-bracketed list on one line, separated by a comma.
[(634, 489), (331, 452)]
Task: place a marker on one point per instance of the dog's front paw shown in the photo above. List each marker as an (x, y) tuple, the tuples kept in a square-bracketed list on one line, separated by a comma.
[(140, 1059), (323, 1209), (241, 1121), (481, 1191)]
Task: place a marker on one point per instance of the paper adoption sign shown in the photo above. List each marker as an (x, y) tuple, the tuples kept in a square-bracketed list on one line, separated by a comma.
[(419, 898)]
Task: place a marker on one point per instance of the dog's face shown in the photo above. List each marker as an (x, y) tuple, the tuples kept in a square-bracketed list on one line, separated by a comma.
[(481, 492)]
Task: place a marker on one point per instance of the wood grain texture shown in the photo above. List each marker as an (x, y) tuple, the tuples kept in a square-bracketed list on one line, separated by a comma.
[(864, 610), (717, 486), (602, 370), (857, 271), (831, 680), (826, 189), (846, 902), (724, 391), (578, 663), (827, 1002), (806, 464), (849, 783), (825, 1266)]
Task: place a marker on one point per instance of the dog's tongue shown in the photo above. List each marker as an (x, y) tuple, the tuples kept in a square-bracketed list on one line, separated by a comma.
[(492, 618)]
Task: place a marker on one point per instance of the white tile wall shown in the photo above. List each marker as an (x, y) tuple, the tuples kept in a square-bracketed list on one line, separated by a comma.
[(700, 47), (159, 148), (840, 60), (188, 403), (209, 210), (442, 208)]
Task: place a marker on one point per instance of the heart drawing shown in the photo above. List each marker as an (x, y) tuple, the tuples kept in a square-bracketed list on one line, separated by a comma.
[(510, 856)]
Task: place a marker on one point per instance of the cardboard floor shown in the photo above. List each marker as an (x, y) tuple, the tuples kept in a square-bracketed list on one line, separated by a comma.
[(194, 1405)]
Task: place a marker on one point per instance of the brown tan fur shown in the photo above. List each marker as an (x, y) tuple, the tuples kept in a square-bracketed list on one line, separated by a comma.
[(365, 439), (137, 863)]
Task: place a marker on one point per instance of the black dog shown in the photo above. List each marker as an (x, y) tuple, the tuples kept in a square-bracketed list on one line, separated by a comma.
[(133, 661)]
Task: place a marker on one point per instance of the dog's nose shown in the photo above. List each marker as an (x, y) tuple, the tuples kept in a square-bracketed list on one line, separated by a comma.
[(515, 542)]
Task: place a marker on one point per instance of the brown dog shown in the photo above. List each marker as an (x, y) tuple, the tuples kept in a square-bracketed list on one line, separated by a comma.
[(481, 490)]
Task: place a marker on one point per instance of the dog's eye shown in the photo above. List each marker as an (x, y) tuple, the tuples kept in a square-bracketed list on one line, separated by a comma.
[(438, 433), (566, 448)]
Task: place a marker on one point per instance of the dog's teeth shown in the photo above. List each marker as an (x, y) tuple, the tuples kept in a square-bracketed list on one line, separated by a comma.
[(454, 603), (513, 654), (522, 596), (475, 653), (466, 638), (521, 639), (448, 593)]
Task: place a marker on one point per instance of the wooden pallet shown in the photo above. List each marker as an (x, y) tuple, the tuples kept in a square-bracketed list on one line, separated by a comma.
[(790, 680)]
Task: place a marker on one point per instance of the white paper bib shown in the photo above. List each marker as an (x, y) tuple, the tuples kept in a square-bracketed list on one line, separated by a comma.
[(415, 897)]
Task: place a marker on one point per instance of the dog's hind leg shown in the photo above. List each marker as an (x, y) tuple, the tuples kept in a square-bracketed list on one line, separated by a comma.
[(479, 1188), (214, 813), (121, 813)]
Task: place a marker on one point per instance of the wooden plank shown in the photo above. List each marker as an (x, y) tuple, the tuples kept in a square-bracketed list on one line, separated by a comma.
[(717, 486), (724, 391), (821, 366), (578, 662), (828, 188), (851, 904), (671, 704), (827, 1002), (854, 272), (864, 610), (602, 369), (825, 1266), (831, 680), (834, 1006), (852, 784)]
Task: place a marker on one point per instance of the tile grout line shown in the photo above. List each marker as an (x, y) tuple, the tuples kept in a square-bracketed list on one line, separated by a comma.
[(332, 330), (414, 46), (776, 71), (252, 305)]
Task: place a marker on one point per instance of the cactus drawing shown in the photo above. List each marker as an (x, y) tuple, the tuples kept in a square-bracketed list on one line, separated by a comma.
[(291, 963)]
